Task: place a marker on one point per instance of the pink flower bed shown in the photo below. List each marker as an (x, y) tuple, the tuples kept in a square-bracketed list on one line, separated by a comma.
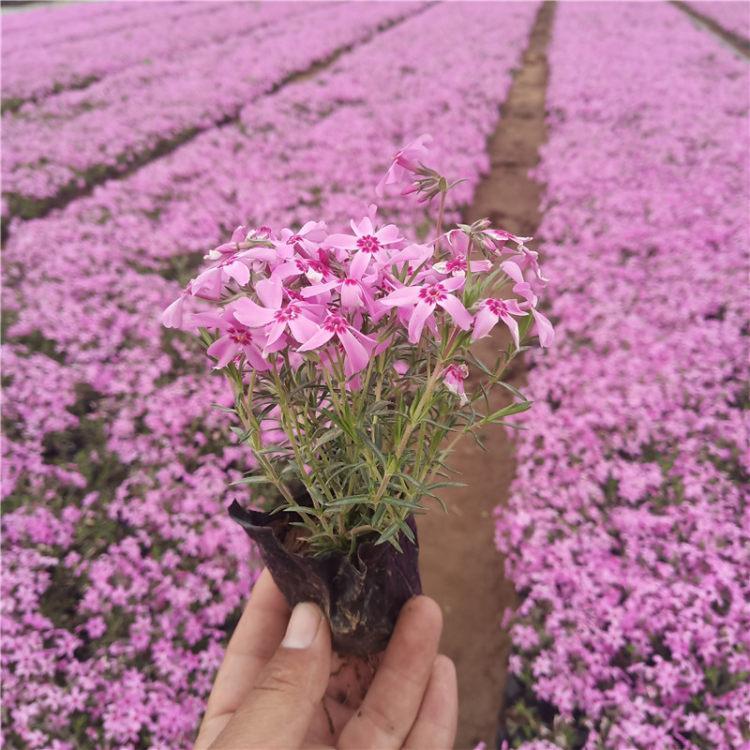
[(628, 530), (122, 572), (60, 23), (70, 140), (734, 16), (83, 60)]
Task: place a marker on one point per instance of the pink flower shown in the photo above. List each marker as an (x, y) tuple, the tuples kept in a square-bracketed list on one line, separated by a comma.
[(521, 287), (367, 243), (356, 345), (232, 263), (305, 240), (500, 236), (423, 299), (273, 314), (490, 311), (237, 339), (454, 377), (458, 245), (543, 328), (529, 260), (315, 270), (173, 316), (406, 162), (353, 290)]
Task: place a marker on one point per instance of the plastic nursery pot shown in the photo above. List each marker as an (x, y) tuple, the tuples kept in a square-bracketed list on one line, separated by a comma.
[(361, 596)]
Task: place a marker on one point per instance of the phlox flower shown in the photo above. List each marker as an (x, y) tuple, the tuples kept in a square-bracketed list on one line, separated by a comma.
[(453, 377), (236, 339), (295, 316), (354, 291), (357, 346), (458, 246), (500, 237), (528, 260), (303, 241), (405, 163), (423, 299), (232, 262), (490, 312), (316, 270), (521, 287), (367, 242)]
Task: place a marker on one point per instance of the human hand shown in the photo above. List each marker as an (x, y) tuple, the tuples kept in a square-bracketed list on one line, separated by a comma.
[(275, 689)]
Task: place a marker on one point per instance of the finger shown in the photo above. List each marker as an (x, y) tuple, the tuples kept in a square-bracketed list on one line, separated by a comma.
[(329, 719), (255, 639), (278, 710), (395, 695), (435, 727)]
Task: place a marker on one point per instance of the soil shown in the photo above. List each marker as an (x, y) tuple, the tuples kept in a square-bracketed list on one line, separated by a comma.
[(460, 565)]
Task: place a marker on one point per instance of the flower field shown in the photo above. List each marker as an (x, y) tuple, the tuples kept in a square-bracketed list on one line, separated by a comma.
[(628, 530), (138, 136)]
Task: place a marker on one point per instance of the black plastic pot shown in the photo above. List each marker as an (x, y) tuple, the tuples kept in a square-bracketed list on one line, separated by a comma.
[(361, 596)]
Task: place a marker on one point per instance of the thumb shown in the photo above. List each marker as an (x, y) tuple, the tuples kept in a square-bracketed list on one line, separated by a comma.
[(278, 710)]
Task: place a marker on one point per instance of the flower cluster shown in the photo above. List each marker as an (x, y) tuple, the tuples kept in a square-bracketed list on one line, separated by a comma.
[(109, 432), (628, 529), (345, 339)]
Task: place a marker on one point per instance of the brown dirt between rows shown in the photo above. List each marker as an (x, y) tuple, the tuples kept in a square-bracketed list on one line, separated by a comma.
[(460, 565)]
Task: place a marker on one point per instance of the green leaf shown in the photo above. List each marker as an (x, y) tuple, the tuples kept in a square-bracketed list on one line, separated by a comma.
[(255, 479), (512, 389), (345, 502), (505, 412), (327, 437), (407, 532)]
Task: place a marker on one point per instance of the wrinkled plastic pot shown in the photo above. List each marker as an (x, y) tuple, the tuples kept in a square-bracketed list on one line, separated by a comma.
[(361, 596)]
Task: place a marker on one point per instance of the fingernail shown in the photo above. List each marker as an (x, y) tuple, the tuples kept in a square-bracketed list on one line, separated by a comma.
[(302, 627)]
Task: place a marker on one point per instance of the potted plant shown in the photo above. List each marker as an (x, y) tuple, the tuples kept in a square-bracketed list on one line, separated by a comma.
[(348, 355)]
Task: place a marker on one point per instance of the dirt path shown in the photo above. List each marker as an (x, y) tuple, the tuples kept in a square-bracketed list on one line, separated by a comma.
[(460, 566)]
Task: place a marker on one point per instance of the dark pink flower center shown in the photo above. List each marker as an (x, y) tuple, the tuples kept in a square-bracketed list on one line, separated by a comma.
[(458, 372), (319, 267), (496, 306), (290, 312), (241, 336), (350, 282), (335, 323), (368, 244), (432, 294), (456, 264)]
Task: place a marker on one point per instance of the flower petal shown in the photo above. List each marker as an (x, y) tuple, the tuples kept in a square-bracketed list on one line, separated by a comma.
[(419, 315), (320, 337), (251, 314), (461, 316), (484, 321), (544, 328), (356, 354), (406, 295), (270, 293), (512, 326)]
